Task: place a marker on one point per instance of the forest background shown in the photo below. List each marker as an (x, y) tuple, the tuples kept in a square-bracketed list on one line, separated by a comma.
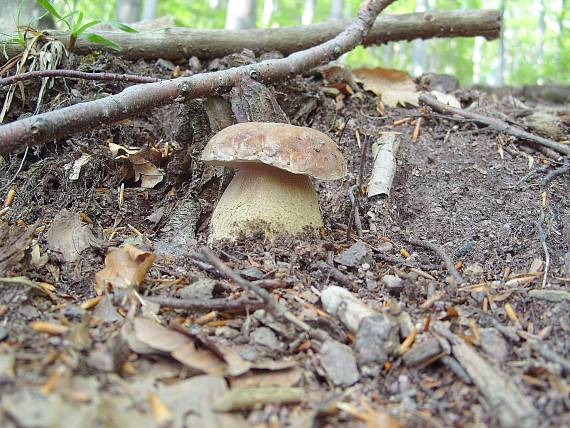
[(534, 47)]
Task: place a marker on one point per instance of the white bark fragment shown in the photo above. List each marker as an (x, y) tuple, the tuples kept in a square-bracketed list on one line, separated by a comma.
[(343, 304), (384, 152)]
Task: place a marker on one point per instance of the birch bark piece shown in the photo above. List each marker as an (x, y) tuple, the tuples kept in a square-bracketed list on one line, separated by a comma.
[(384, 151)]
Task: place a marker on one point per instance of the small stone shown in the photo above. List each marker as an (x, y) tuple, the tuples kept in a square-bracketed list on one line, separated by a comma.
[(385, 247), (550, 295), (29, 312), (227, 332), (377, 338), (567, 263), (472, 271), (73, 312), (3, 333), (252, 273), (7, 364), (393, 284), (200, 289), (266, 338), (339, 363), (406, 324), (494, 344), (464, 249), (354, 255)]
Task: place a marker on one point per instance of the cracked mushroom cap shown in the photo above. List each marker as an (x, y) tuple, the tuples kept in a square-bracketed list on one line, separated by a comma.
[(296, 149)]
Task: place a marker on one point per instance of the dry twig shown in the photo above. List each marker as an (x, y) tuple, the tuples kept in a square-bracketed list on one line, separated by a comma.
[(75, 74), (497, 124), (438, 249)]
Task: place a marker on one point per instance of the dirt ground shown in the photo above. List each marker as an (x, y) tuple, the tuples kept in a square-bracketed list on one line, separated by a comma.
[(492, 350)]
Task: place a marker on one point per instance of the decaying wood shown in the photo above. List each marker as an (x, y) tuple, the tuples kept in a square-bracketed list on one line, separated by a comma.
[(497, 124), (423, 353), (503, 397), (139, 98), (176, 43)]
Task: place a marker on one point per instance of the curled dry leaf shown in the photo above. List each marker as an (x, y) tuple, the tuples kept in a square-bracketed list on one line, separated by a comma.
[(69, 236), (124, 267), (448, 99), (395, 87), (141, 160)]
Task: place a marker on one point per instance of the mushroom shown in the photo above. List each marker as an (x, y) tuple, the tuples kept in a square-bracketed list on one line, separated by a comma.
[(271, 189)]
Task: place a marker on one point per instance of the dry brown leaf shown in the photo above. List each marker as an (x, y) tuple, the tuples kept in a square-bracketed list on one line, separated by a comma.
[(180, 346), (124, 267), (395, 87), (69, 236), (284, 378), (140, 160)]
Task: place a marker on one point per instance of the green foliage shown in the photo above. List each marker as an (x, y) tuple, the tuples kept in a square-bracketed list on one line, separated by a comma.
[(73, 20)]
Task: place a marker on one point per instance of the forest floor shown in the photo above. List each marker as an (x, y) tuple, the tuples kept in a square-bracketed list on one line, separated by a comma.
[(492, 350)]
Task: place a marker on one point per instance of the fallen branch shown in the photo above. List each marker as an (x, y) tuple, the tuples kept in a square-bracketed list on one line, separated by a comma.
[(512, 407), (438, 249), (74, 74), (140, 98), (497, 124), (220, 304), (177, 43)]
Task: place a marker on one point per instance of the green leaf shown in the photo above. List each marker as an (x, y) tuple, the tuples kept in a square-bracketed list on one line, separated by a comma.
[(46, 4), (100, 40), (82, 29), (121, 26)]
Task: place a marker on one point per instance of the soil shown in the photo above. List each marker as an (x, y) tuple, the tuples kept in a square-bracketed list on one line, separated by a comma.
[(476, 193)]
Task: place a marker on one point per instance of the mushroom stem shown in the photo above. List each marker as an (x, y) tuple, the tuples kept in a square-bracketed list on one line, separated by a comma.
[(268, 199)]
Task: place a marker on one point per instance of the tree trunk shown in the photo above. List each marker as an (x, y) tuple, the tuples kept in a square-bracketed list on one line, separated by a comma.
[(337, 9), (419, 51), (561, 32), (268, 9), (241, 15), (502, 49), (308, 12), (129, 10), (540, 39), (149, 9)]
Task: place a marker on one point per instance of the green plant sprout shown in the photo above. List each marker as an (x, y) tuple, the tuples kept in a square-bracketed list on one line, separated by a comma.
[(74, 21)]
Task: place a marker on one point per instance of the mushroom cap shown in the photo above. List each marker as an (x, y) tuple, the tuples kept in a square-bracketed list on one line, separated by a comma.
[(296, 149)]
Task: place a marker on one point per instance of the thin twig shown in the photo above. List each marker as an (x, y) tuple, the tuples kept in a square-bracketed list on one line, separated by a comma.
[(553, 174), (75, 74), (438, 249), (497, 124), (354, 214), (206, 304), (273, 306)]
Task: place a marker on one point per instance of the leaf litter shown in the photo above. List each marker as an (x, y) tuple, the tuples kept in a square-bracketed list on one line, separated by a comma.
[(121, 359)]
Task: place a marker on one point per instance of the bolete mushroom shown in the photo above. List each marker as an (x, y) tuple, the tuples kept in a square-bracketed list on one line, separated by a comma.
[(271, 189)]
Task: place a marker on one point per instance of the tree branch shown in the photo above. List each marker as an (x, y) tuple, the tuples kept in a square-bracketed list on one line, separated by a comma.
[(176, 43), (139, 98)]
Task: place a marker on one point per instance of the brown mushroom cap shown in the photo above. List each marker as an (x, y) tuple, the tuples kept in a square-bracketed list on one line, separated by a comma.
[(292, 148)]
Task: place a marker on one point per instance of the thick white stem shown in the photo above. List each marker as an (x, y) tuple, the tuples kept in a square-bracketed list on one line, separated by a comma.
[(265, 198)]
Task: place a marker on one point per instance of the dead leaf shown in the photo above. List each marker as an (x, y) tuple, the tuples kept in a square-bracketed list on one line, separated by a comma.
[(395, 87), (180, 346), (69, 236), (125, 267), (256, 378), (140, 160), (75, 167)]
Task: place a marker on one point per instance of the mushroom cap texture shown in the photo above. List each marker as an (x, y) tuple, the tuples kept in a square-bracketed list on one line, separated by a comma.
[(292, 148)]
